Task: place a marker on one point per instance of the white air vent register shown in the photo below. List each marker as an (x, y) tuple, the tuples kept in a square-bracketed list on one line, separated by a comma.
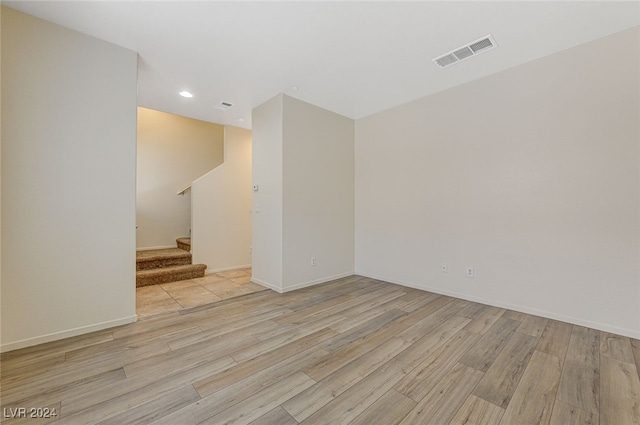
[(465, 52), (224, 106)]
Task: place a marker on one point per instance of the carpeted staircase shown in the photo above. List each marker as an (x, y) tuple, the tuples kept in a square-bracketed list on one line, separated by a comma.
[(167, 265)]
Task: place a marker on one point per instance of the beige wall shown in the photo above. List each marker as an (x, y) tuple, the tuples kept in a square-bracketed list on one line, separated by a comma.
[(173, 151), (303, 165), (68, 182), (318, 188), (266, 223), (1, 339), (531, 176), (221, 207)]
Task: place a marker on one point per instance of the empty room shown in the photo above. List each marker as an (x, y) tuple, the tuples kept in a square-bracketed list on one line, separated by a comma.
[(280, 213)]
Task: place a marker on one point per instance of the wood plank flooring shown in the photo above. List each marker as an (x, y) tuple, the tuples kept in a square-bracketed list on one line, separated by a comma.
[(353, 351)]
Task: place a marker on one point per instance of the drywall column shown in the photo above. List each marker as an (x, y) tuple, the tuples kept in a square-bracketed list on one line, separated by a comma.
[(267, 172), (530, 176), (318, 195), (303, 222), (221, 207), (68, 182)]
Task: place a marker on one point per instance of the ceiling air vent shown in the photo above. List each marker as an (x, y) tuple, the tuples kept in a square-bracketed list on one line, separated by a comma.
[(472, 49), (224, 106)]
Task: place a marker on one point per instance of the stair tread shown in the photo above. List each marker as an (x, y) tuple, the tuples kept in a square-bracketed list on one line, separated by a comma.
[(184, 243), (170, 269), (160, 254)]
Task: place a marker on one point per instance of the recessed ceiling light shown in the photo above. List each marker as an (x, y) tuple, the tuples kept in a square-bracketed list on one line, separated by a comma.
[(185, 93), (240, 119), (295, 88)]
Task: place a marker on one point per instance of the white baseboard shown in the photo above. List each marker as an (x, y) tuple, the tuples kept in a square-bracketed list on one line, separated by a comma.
[(149, 248), (226, 269), (267, 285), (65, 334), (297, 286), (317, 281), (523, 309)]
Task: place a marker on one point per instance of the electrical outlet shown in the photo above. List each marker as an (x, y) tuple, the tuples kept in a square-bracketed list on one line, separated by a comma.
[(443, 268), (469, 271), (313, 261)]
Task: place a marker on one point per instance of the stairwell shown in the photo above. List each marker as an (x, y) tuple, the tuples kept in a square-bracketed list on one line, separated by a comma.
[(167, 265)]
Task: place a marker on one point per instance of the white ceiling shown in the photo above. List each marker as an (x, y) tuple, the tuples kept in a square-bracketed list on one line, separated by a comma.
[(353, 58)]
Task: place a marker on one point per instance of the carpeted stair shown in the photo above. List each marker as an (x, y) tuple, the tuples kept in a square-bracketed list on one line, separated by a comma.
[(166, 265), (184, 243)]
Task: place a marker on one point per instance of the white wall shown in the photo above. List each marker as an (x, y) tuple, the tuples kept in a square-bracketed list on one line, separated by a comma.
[(173, 151), (531, 176), (318, 185), (267, 122), (303, 163), (1, 339), (221, 207), (68, 182)]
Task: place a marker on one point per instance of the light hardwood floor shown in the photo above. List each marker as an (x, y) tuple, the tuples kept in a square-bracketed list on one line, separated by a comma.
[(352, 351)]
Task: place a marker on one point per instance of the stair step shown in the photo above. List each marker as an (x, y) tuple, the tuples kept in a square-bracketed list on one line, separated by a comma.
[(184, 243), (169, 274), (157, 258)]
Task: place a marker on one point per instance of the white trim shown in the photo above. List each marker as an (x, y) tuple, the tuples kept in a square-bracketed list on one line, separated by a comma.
[(631, 333), (268, 285), (226, 269), (317, 281), (66, 334), (297, 286), (149, 248)]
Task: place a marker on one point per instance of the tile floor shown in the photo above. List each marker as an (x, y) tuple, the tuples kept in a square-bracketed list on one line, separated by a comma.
[(168, 297)]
